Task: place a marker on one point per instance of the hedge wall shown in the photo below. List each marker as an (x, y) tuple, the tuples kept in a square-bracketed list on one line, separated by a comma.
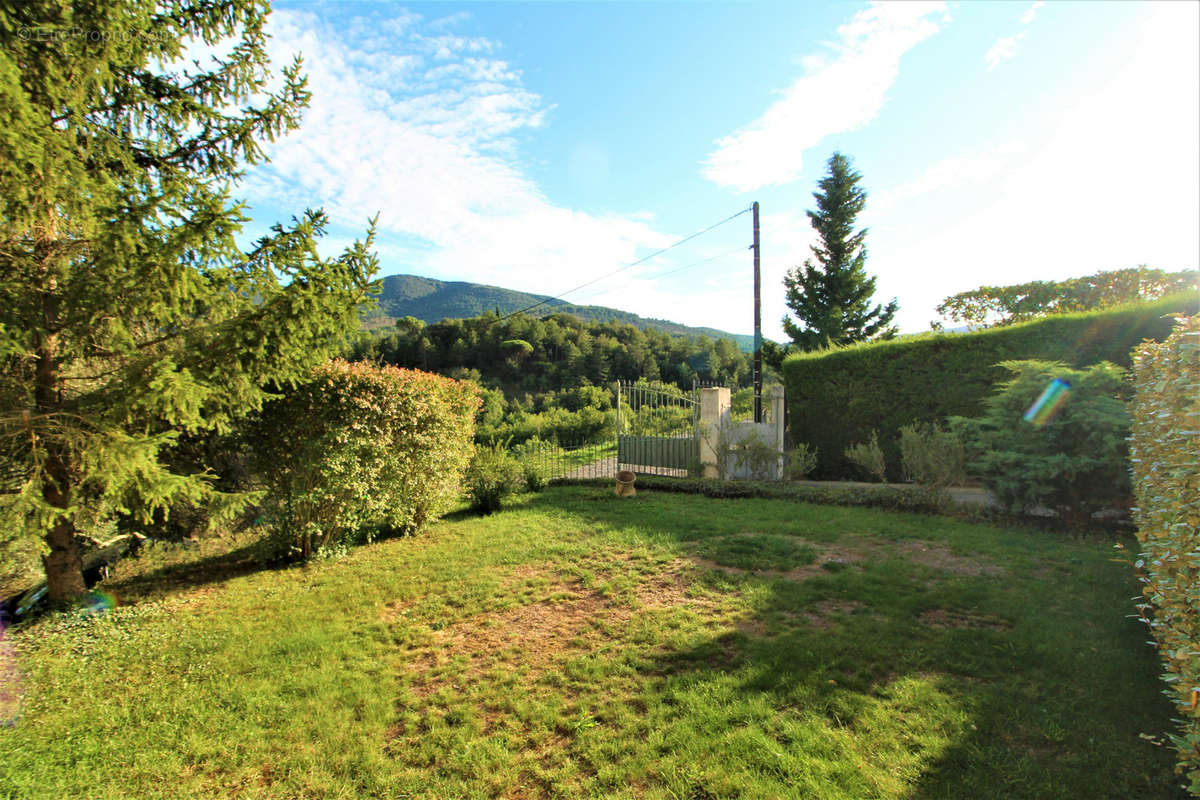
[(835, 398), (1165, 450)]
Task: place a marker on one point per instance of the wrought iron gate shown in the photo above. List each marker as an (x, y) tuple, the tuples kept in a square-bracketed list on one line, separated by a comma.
[(657, 428)]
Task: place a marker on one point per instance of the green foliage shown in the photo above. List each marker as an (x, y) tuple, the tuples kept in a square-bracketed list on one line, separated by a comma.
[(1165, 451), (932, 457), (1076, 464), (800, 461), (558, 424), (891, 498), (536, 478), (492, 476), (868, 458), (129, 315), (837, 398), (359, 447), (1003, 305), (832, 299), (520, 354)]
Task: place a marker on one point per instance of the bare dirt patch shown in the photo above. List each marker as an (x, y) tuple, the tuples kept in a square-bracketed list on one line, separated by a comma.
[(553, 620), (673, 587), (939, 557), (861, 549), (568, 619), (960, 620), (822, 615)]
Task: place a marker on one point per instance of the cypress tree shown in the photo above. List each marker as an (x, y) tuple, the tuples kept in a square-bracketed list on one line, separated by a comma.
[(129, 316), (832, 298)]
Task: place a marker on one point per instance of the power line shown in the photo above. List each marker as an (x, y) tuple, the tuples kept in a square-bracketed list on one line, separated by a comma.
[(726, 254), (628, 266), (738, 249)]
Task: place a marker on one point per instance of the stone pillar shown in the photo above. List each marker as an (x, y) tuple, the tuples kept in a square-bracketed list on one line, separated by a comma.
[(777, 418), (714, 417)]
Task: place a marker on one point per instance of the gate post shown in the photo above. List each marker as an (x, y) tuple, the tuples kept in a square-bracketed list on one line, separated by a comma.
[(777, 414), (714, 420)]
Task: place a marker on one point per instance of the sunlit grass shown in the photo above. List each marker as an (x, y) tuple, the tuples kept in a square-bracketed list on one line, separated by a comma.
[(583, 645)]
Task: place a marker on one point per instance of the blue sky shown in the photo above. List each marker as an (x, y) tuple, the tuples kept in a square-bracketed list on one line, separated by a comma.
[(538, 146)]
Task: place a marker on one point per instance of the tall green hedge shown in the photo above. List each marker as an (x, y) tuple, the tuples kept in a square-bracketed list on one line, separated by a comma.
[(836, 398), (1165, 450), (360, 446)]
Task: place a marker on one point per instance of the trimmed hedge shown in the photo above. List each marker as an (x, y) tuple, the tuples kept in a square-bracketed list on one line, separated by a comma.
[(361, 447), (835, 398), (894, 498), (1165, 450)]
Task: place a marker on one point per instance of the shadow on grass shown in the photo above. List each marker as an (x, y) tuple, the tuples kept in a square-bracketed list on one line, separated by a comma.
[(189, 575), (905, 709), (919, 682)]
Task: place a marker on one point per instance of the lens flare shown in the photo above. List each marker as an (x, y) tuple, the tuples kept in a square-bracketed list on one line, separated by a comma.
[(97, 602), (1049, 403), (10, 682)]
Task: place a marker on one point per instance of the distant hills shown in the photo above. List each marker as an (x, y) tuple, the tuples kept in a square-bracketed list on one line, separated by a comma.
[(432, 300)]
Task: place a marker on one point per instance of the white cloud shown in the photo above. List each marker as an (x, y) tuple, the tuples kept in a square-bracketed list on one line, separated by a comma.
[(1004, 49), (420, 128), (841, 91), (1006, 46), (949, 174), (1031, 12), (1114, 184)]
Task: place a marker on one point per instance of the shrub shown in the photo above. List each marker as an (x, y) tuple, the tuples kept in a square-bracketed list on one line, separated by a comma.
[(1165, 450), (837, 397), (800, 461), (1076, 464), (492, 476), (535, 476), (360, 448), (933, 459), (869, 458), (893, 498)]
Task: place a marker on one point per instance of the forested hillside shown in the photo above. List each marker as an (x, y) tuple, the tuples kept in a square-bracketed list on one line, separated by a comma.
[(526, 354), (431, 300)]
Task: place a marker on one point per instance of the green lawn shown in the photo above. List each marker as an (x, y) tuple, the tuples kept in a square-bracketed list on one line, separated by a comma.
[(582, 645)]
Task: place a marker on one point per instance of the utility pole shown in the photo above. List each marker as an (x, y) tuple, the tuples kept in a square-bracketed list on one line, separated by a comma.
[(757, 325)]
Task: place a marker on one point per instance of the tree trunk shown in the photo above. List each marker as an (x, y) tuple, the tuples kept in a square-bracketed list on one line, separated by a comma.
[(63, 564)]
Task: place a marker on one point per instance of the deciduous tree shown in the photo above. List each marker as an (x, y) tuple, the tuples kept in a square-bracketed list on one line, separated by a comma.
[(1002, 305)]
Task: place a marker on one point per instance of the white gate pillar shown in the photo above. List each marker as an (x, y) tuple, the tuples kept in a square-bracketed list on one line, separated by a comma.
[(714, 418)]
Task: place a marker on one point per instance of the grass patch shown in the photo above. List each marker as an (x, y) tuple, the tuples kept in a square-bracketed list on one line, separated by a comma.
[(758, 551), (583, 645)]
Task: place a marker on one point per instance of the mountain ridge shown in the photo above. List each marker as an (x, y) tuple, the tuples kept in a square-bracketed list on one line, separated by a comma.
[(432, 300)]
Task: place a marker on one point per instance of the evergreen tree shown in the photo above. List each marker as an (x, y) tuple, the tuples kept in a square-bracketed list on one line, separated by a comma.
[(129, 317), (832, 298)]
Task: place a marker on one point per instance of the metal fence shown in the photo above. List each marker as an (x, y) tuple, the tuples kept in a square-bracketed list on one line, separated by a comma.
[(657, 429), (554, 460)]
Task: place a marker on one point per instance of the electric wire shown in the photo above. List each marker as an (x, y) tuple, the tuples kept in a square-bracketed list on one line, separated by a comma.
[(738, 249), (629, 266)]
